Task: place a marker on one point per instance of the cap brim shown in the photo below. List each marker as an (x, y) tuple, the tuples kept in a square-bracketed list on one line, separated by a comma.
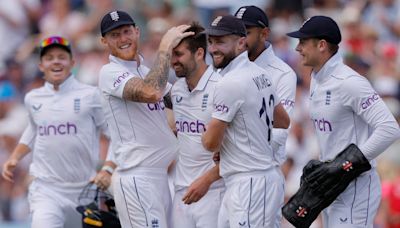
[(298, 34), (252, 24), (116, 25)]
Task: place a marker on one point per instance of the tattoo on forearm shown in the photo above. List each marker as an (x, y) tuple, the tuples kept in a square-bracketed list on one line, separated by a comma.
[(140, 90), (158, 75)]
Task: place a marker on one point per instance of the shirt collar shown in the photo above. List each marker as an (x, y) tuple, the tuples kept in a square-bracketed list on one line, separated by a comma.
[(328, 68), (266, 55), (204, 79), (129, 64), (65, 86), (235, 63)]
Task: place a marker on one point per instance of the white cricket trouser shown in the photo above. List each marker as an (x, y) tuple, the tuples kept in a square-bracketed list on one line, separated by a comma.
[(253, 199), (54, 205), (202, 214), (142, 197), (357, 206)]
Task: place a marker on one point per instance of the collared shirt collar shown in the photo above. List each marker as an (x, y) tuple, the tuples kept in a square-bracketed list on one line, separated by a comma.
[(129, 64), (204, 79), (65, 86), (235, 63), (266, 55), (328, 68)]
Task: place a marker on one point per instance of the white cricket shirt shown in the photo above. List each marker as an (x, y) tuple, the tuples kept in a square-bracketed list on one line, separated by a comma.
[(284, 78), (140, 134), (245, 98), (64, 131), (345, 109), (192, 111)]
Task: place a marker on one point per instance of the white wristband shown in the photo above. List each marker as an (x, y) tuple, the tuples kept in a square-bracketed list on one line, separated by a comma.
[(108, 169)]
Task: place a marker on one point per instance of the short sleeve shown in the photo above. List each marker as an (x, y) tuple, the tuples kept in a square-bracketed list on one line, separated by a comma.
[(98, 113), (113, 79), (358, 94), (228, 98)]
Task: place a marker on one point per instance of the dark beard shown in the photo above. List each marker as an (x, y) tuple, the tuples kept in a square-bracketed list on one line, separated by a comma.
[(226, 60)]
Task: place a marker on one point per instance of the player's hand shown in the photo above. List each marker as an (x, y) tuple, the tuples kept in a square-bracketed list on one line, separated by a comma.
[(197, 190), (102, 179), (8, 169), (173, 37)]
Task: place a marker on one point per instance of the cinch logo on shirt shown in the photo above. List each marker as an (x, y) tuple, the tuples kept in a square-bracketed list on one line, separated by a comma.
[(287, 103), (370, 101), (222, 108), (322, 125), (120, 79), (195, 126), (61, 129), (156, 106)]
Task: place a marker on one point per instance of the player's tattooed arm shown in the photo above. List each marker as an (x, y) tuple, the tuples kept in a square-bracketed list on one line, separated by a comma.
[(167, 100), (150, 89)]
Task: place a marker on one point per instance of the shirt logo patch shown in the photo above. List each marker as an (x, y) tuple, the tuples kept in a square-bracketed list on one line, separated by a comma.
[(155, 223), (222, 108), (77, 105), (370, 101), (178, 99), (36, 107), (114, 16), (328, 97), (204, 102), (120, 79), (156, 106)]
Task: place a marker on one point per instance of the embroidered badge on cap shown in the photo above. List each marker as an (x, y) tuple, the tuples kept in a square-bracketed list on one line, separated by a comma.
[(114, 16), (216, 21)]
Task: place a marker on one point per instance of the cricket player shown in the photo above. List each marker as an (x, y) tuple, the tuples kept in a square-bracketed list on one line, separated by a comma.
[(198, 187), (261, 52), (63, 134), (246, 109), (143, 143), (345, 109)]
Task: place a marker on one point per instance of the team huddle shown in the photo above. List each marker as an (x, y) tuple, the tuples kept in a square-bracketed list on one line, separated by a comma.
[(224, 141)]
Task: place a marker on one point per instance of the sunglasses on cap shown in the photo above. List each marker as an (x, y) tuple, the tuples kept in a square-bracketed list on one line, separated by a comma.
[(54, 40)]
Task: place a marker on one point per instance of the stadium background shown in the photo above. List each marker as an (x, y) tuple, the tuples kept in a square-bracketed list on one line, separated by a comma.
[(370, 44)]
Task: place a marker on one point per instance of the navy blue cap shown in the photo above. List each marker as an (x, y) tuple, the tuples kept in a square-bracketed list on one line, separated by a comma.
[(252, 16), (319, 27), (226, 25), (113, 20)]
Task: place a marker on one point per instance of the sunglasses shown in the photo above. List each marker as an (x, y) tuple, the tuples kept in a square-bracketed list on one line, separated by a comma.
[(54, 40)]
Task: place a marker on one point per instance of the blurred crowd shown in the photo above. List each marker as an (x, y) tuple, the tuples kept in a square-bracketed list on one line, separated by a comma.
[(370, 45)]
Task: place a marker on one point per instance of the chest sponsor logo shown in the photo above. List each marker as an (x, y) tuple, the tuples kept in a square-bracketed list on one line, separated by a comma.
[(77, 105), (190, 126), (120, 79), (204, 102), (328, 97), (156, 106), (322, 125), (36, 107), (370, 101), (60, 129)]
